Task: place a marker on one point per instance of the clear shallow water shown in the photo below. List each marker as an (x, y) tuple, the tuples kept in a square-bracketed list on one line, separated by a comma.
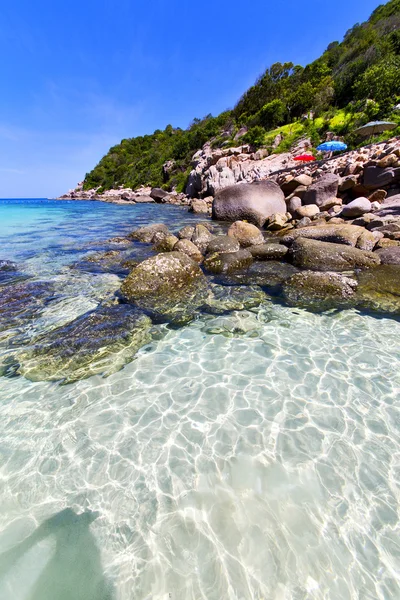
[(254, 455)]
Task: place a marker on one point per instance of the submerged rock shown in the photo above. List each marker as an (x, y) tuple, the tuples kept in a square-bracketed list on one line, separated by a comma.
[(325, 256), (99, 342), (9, 272), (226, 298), (268, 274), (379, 289), (7, 265), (319, 291), (169, 286), (23, 302), (111, 261)]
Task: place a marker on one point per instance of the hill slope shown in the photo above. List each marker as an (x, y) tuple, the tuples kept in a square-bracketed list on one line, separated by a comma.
[(351, 83)]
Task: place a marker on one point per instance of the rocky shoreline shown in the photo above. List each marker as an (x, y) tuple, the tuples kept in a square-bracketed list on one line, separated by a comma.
[(325, 237)]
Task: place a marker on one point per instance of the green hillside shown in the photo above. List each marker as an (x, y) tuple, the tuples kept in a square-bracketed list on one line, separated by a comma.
[(351, 83)]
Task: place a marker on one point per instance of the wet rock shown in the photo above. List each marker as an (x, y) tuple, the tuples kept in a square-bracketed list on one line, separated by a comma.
[(246, 234), (186, 233), (326, 256), (166, 243), (147, 233), (356, 208), (201, 237), (169, 286), (319, 291), (111, 261), (187, 247), (379, 289), (324, 189), (268, 251), (224, 244), (228, 262), (226, 298), (253, 202), (101, 341)]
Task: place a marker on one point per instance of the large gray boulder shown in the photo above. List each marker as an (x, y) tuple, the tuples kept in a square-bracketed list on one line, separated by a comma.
[(323, 190), (169, 285), (325, 256), (254, 202)]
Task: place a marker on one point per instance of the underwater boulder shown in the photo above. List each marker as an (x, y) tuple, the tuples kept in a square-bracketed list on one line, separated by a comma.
[(101, 341)]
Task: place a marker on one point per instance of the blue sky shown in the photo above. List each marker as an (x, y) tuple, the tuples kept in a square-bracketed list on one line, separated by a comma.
[(77, 77)]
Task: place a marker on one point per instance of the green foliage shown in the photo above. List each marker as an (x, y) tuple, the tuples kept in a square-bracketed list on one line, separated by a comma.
[(272, 114), (255, 136), (381, 82), (352, 82)]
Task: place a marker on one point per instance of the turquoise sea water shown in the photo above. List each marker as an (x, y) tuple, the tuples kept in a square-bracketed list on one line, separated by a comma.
[(247, 456)]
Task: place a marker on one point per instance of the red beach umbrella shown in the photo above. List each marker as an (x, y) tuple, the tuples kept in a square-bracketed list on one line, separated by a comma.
[(305, 157)]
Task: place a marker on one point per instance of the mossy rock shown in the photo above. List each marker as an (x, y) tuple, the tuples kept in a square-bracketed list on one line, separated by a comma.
[(325, 256), (146, 234), (319, 291), (169, 286), (228, 262)]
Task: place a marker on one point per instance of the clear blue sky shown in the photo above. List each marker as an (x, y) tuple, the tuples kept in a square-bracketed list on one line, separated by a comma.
[(77, 77)]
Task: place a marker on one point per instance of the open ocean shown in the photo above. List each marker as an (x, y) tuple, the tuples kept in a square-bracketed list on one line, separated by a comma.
[(253, 455)]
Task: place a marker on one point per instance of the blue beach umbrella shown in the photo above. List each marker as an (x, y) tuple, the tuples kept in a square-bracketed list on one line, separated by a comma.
[(332, 146)]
